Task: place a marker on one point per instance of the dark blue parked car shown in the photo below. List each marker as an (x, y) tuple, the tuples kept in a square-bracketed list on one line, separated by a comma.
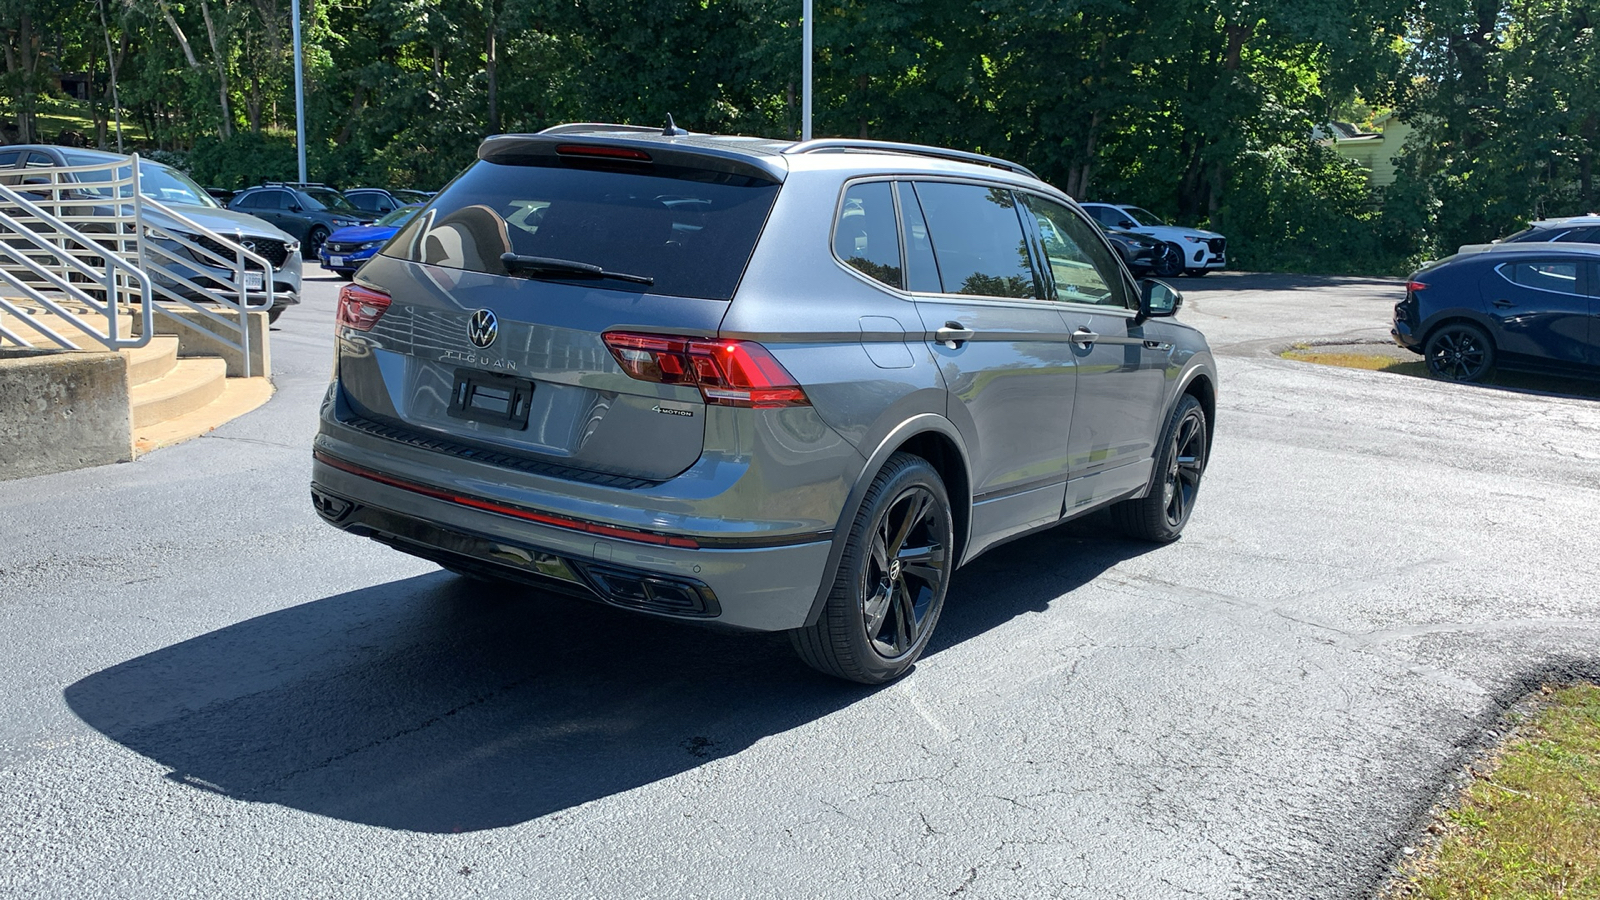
[(346, 249), (1518, 306)]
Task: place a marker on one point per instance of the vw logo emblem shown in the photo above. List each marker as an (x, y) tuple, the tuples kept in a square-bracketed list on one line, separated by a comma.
[(483, 328)]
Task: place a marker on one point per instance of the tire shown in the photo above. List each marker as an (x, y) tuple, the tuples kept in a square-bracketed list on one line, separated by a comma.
[(1196, 273), (274, 313), (346, 274), (1459, 351), (314, 239), (1170, 263), (1160, 517), (892, 579)]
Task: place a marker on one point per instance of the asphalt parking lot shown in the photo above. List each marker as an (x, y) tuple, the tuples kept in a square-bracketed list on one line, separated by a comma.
[(207, 692)]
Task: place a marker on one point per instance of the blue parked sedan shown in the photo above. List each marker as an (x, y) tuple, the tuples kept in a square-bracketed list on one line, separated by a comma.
[(346, 249)]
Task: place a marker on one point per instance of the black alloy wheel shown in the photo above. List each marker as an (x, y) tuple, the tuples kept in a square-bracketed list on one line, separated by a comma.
[(904, 572), (1167, 261), (314, 239), (892, 578), (1459, 352), (1161, 515), (1185, 463)]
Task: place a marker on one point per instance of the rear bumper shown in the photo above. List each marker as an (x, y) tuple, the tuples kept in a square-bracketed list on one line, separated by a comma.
[(765, 588)]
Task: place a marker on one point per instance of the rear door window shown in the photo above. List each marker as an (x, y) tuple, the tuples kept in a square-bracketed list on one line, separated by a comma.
[(978, 240), (865, 236), (692, 231)]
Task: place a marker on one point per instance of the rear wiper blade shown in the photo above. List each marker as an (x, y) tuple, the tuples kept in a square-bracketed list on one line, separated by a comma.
[(516, 262)]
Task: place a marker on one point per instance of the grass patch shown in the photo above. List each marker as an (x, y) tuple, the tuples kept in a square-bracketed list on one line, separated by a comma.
[(1416, 368), (56, 116), (1371, 361), (1529, 828)]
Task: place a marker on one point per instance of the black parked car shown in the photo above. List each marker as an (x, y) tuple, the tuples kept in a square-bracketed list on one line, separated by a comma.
[(1144, 254), (1519, 306), (1569, 230), (374, 200), (310, 212)]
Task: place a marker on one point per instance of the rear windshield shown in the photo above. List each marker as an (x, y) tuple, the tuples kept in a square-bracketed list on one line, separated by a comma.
[(692, 231), (330, 199)]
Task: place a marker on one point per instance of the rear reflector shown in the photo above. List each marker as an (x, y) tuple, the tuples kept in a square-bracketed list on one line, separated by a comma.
[(601, 151), (728, 373), (361, 307)]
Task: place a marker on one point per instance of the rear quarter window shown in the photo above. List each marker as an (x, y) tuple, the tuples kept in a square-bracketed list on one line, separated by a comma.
[(1561, 277), (692, 231)]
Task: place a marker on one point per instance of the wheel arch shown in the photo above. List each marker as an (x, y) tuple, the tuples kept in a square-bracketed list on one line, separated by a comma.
[(931, 437), (1454, 317), (1203, 388)]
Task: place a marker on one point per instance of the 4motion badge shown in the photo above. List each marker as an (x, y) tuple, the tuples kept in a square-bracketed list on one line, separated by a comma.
[(673, 412)]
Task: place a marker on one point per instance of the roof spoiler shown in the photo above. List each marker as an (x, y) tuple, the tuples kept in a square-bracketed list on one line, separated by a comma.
[(693, 152)]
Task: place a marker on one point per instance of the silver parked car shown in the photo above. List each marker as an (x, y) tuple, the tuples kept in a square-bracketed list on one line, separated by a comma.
[(174, 188), (768, 385)]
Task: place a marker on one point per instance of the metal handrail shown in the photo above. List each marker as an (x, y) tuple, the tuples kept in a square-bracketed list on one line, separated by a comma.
[(845, 145), (103, 197), (69, 261)]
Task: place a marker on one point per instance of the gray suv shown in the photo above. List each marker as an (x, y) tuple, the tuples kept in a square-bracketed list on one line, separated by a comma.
[(768, 385)]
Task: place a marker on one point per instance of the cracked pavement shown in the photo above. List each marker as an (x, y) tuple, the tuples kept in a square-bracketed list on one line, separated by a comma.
[(207, 692)]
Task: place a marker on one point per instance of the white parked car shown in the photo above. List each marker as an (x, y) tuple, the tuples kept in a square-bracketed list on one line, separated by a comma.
[(1200, 251)]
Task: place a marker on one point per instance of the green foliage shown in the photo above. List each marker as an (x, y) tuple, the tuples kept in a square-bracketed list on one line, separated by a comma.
[(1304, 208), (1508, 107), (1198, 111), (244, 159)]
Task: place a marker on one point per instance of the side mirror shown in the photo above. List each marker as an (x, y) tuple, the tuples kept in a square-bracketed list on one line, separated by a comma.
[(1127, 223), (1157, 299), (294, 207)]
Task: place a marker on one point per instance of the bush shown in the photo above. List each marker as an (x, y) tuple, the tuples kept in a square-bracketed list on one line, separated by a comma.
[(247, 158), (1305, 208)]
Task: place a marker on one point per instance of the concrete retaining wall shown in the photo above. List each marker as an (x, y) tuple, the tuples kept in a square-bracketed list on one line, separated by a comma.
[(194, 331), (61, 411)]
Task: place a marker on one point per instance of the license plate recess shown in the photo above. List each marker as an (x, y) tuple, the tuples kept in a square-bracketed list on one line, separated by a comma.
[(491, 398)]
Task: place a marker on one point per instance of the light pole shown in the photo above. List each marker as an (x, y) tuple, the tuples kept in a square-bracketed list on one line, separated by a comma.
[(805, 76), (300, 92)]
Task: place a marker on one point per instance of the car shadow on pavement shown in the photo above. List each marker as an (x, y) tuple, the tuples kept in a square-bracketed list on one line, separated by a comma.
[(437, 704)]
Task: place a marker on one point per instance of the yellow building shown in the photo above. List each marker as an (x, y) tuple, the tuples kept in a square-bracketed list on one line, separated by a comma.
[(1374, 150)]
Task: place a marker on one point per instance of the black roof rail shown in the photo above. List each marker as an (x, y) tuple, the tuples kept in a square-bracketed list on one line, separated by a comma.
[(824, 145), (297, 184), (577, 127)]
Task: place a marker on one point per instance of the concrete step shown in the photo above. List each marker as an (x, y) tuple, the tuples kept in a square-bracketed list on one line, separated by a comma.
[(239, 396), (153, 360), (36, 315), (191, 384)]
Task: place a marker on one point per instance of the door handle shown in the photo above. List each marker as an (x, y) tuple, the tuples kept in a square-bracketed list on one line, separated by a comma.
[(953, 335), (1084, 336), (1157, 345), (1504, 304)]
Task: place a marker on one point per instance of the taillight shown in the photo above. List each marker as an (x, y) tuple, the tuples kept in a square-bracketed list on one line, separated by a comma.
[(1415, 286), (361, 307), (728, 373)]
